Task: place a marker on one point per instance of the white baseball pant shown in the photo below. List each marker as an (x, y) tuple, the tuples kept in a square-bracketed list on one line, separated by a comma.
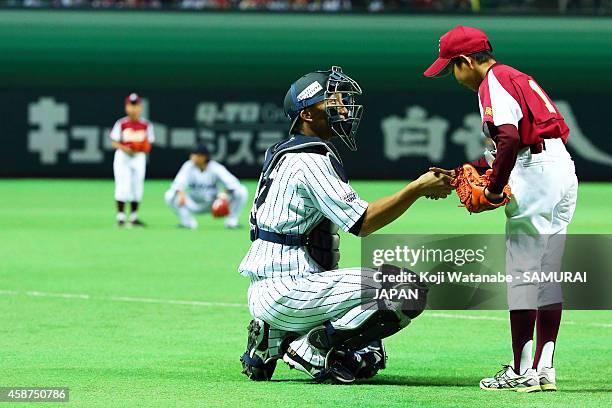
[(129, 172), (545, 190), (343, 297), (186, 212)]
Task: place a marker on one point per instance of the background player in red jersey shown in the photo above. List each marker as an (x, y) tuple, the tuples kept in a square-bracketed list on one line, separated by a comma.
[(131, 137), (530, 136)]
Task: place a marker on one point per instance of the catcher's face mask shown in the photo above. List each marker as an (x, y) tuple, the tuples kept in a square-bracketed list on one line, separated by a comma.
[(338, 91), (343, 113)]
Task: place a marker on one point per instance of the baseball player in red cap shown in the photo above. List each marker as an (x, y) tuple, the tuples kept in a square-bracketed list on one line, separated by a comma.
[(131, 138), (529, 135)]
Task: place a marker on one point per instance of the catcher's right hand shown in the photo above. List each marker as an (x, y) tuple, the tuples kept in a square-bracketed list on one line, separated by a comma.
[(435, 185), (470, 187)]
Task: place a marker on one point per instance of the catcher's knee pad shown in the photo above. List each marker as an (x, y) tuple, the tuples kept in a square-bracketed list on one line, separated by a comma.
[(263, 350), (410, 297), (380, 324)]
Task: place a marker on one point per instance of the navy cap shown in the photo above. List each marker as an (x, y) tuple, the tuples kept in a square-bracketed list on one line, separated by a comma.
[(306, 91), (200, 149)]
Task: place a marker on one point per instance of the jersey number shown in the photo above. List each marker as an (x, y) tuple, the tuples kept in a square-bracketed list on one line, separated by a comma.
[(542, 95)]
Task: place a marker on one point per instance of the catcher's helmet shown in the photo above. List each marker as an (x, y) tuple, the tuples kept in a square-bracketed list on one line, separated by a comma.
[(320, 86)]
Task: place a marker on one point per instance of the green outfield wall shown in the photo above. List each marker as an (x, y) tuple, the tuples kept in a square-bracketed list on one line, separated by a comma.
[(220, 78)]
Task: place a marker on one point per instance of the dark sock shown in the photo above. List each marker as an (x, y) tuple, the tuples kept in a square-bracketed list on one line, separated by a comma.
[(134, 206), (547, 328), (522, 323), (120, 206)]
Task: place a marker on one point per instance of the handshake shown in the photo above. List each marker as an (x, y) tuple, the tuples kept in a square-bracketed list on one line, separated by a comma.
[(471, 187)]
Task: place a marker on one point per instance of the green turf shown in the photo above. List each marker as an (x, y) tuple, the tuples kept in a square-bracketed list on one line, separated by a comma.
[(58, 237)]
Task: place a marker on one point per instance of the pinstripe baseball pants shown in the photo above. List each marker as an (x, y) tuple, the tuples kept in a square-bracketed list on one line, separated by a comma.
[(344, 297)]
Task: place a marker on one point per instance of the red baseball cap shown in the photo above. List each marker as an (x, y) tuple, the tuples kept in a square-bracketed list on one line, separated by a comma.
[(132, 98), (460, 40)]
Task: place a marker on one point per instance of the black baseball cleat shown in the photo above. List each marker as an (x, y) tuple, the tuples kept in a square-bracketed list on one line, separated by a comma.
[(137, 223), (121, 223), (365, 362), (337, 374), (333, 371), (256, 362)]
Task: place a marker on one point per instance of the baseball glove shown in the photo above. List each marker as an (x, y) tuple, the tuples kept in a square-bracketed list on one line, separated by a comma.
[(470, 186), (220, 207), (144, 146)]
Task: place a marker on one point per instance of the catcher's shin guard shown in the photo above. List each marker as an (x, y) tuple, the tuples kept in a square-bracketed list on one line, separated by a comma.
[(411, 307), (381, 324), (391, 317), (259, 359)]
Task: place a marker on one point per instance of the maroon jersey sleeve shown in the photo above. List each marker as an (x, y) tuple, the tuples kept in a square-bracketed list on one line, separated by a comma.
[(508, 142)]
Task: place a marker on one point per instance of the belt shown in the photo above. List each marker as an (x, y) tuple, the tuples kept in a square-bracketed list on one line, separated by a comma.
[(283, 239)]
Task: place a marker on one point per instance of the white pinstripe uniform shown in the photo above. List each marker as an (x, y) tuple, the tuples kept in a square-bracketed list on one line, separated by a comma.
[(201, 187), (289, 290)]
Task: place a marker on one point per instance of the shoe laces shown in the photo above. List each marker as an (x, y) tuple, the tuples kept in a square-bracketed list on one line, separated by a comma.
[(501, 374)]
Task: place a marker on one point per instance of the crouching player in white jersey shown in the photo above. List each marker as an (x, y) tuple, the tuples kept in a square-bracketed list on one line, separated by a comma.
[(321, 320), (195, 190)]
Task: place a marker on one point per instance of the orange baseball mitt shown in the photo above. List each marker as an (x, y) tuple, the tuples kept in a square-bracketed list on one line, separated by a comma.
[(144, 146), (470, 186)]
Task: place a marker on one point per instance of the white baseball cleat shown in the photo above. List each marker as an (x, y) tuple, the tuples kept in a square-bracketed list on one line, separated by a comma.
[(548, 379), (507, 380)]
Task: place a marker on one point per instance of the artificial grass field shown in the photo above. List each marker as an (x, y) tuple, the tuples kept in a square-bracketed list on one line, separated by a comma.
[(157, 317)]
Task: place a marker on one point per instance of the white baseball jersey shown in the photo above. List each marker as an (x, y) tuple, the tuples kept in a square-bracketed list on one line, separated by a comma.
[(203, 185), (305, 188), (126, 131)]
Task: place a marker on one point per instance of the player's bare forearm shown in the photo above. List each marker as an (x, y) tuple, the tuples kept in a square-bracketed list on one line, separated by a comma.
[(387, 209)]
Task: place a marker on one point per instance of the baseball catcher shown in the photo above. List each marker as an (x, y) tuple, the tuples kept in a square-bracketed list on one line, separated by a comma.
[(321, 320)]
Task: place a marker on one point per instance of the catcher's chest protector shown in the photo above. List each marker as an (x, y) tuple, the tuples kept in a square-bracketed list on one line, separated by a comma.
[(323, 244), (323, 241)]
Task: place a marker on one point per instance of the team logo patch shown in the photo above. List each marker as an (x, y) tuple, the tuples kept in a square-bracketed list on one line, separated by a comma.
[(134, 135), (310, 91), (350, 197), (488, 111)]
